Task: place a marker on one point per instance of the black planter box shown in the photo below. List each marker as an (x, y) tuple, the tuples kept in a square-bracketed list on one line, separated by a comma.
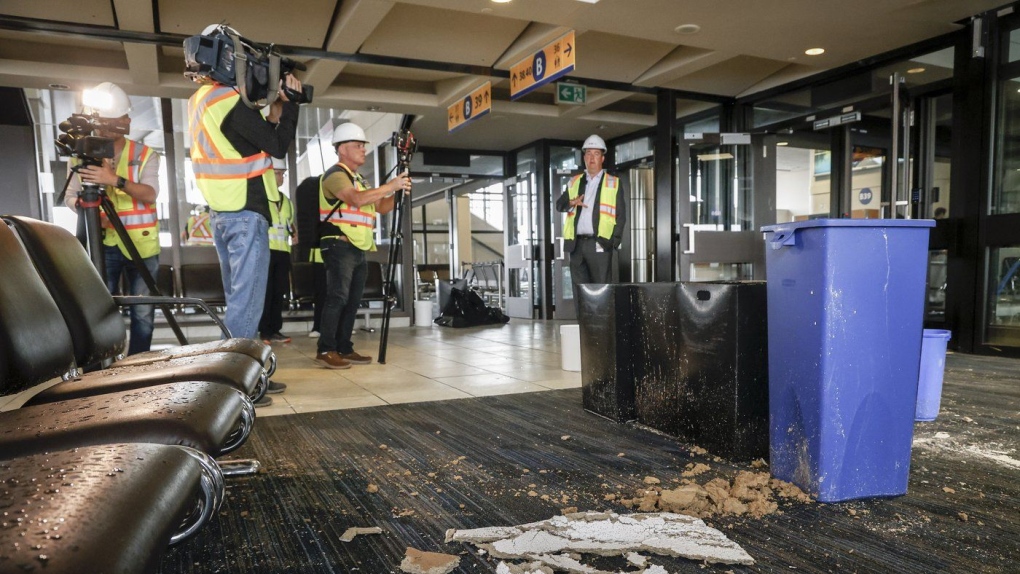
[(690, 359)]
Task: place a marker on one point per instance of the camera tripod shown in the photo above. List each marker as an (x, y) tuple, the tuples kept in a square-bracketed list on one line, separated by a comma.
[(91, 199), (405, 144)]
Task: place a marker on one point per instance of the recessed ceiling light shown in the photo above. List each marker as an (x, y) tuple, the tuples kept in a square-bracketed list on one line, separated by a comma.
[(60, 86), (501, 1), (815, 51), (372, 108), (915, 70), (590, 1), (782, 143), (687, 29)]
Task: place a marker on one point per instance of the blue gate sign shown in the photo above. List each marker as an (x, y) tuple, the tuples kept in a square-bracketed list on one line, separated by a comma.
[(865, 195)]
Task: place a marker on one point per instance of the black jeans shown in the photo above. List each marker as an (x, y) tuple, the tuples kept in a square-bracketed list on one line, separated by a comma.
[(277, 288), (346, 270)]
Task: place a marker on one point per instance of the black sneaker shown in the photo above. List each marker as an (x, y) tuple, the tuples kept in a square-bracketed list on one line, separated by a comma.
[(275, 387), (276, 338), (264, 402)]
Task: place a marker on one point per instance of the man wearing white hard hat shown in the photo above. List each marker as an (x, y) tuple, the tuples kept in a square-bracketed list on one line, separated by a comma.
[(130, 180), (347, 208), (278, 285), (231, 150), (596, 208)]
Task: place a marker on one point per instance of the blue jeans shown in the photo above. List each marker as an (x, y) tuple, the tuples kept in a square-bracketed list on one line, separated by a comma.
[(346, 271), (242, 244), (141, 315)]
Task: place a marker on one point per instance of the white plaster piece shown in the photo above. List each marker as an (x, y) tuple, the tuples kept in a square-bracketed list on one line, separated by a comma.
[(609, 534)]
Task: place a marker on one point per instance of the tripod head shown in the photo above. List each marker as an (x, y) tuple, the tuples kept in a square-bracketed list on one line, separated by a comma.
[(405, 143)]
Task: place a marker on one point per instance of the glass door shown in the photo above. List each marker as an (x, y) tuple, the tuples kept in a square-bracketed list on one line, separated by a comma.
[(718, 239), (521, 237)]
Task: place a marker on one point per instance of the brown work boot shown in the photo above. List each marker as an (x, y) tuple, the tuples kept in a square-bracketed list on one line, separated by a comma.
[(355, 358), (332, 360)]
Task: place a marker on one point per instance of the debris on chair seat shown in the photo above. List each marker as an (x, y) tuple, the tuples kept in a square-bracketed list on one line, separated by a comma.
[(420, 562), (554, 542), (350, 533)]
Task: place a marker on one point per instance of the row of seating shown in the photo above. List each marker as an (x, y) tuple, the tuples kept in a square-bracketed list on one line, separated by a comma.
[(103, 470), (486, 278), (203, 281)]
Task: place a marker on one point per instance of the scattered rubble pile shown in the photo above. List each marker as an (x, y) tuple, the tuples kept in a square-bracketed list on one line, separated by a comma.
[(750, 494), (556, 544)]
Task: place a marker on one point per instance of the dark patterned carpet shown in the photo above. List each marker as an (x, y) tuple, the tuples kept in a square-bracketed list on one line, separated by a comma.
[(519, 458)]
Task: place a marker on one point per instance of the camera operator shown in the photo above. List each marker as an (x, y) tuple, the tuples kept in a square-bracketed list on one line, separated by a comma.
[(347, 208), (130, 181), (230, 153)]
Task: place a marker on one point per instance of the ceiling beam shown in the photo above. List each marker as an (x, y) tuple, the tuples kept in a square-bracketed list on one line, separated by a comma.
[(354, 23)]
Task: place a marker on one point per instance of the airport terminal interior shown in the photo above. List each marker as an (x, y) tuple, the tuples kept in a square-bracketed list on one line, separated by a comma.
[(887, 131)]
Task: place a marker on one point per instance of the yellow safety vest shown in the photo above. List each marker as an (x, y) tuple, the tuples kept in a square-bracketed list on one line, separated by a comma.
[(607, 207), (199, 230), (221, 172), (357, 224), (315, 255), (139, 218), (283, 224)]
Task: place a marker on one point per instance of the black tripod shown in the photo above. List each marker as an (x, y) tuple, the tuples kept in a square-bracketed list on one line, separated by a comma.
[(405, 144), (90, 201)]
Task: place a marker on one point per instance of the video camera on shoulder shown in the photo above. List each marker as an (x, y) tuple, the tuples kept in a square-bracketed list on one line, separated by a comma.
[(78, 139), (223, 55)]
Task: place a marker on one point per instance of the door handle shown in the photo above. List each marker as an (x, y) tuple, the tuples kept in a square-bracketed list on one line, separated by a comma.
[(690, 239)]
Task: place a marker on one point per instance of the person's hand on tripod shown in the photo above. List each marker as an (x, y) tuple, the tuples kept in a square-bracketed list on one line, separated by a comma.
[(402, 181), (98, 174)]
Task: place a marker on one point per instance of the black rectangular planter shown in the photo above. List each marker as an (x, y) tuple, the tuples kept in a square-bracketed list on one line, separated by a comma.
[(689, 359)]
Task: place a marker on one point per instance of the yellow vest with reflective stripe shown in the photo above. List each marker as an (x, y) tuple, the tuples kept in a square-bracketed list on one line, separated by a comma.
[(607, 207), (139, 218), (357, 224), (282, 213), (199, 230), (221, 172)]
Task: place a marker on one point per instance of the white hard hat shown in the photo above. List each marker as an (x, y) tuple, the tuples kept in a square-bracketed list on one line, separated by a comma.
[(348, 132), (279, 163), (107, 100), (594, 142)]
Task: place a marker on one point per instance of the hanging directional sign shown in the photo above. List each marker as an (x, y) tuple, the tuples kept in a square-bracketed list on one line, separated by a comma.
[(546, 65), (469, 108), (571, 93)]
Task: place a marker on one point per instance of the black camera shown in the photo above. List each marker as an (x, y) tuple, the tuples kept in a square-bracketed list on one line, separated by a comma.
[(77, 139), (254, 69), (406, 144)]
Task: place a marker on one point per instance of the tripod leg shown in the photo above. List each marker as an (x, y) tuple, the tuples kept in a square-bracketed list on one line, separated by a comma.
[(136, 258)]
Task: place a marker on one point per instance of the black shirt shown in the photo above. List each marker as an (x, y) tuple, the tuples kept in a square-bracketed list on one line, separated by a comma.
[(250, 134)]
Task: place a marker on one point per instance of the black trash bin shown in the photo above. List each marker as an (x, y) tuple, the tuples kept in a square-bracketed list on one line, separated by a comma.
[(607, 374), (701, 362)]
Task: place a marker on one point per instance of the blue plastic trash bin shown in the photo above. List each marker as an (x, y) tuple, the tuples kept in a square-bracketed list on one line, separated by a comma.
[(933, 367), (845, 308)]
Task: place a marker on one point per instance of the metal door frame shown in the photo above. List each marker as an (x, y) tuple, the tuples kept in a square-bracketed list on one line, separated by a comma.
[(746, 246)]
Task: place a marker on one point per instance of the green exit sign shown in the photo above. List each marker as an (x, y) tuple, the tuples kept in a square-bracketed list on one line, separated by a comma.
[(571, 93)]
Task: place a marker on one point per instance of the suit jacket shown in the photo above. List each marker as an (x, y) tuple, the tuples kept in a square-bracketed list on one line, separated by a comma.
[(563, 205)]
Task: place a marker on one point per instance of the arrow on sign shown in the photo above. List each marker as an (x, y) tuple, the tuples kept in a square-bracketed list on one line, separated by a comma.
[(566, 92), (568, 49)]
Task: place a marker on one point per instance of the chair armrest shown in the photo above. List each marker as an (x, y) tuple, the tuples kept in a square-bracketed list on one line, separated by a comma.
[(125, 300)]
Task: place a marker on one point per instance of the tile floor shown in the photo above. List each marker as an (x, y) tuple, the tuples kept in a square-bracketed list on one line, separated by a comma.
[(422, 364)]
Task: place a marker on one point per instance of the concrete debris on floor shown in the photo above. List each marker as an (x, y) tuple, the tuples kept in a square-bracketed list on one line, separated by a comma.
[(419, 562), (555, 543), (350, 533), (750, 493)]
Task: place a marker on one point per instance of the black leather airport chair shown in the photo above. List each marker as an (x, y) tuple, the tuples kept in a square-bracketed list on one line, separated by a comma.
[(212, 418), (93, 315), (111, 508), (36, 345)]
